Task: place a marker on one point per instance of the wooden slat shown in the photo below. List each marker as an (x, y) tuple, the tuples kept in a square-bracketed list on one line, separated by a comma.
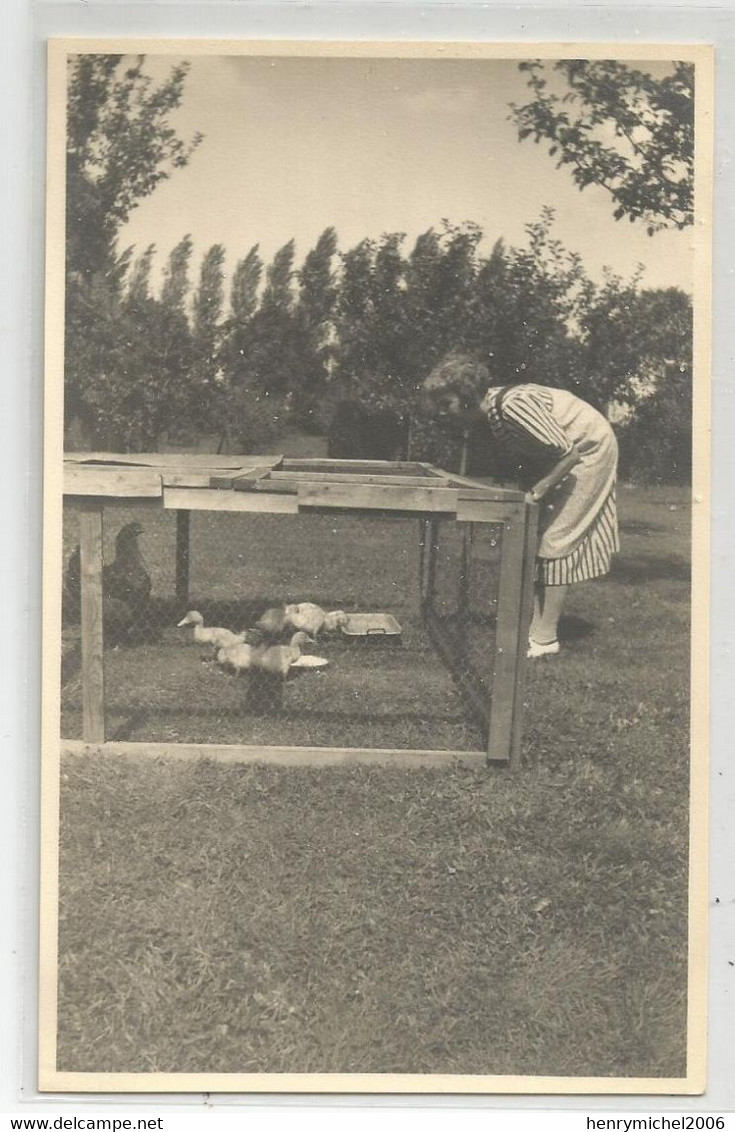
[(526, 611), (186, 460), (357, 477), (487, 511), (281, 756), (186, 479), (93, 695), (488, 490), (278, 487), (374, 497), (92, 479), (204, 499), (250, 479), (506, 638), (315, 464), (202, 477)]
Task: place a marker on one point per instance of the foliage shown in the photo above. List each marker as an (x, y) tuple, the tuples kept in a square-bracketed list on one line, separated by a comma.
[(313, 317), (656, 444), (619, 128), (120, 146)]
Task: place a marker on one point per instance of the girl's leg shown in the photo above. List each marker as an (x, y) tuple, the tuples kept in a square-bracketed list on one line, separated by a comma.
[(548, 602)]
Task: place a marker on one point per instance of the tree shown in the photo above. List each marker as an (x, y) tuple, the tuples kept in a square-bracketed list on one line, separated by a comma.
[(619, 128), (166, 393), (120, 145), (207, 375), (314, 323)]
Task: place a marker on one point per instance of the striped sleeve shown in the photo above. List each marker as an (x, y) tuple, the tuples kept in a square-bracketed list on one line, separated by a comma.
[(526, 415)]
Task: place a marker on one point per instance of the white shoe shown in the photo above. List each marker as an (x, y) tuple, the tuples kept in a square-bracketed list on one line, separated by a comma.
[(535, 649)]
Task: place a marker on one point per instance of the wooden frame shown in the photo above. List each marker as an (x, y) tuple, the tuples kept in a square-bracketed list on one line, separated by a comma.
[(272, 485)]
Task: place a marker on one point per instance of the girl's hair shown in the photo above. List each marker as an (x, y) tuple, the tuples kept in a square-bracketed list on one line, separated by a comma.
[(461, 374)]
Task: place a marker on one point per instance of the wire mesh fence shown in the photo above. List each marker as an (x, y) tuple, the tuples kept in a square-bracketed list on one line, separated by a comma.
[(321, 629), (461, 570)]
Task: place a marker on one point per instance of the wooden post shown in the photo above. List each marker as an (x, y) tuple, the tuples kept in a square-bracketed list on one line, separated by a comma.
[(93, 683), (526, 612), (505, 669), (182, 555)]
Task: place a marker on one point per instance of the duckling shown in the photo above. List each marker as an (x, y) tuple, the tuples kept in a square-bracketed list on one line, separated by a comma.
[(273, 621), (220, 638), (278, 659), (334, 620), (306, 616), (237, 657)]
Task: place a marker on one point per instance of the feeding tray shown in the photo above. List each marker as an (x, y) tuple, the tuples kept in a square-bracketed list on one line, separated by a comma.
[(372, 627)]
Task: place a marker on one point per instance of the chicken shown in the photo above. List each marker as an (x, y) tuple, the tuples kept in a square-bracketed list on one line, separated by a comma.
[(126, 578), (126, 590), (72, 587)]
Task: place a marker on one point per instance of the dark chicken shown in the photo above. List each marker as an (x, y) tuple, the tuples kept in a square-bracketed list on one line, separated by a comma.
[(126, 590)]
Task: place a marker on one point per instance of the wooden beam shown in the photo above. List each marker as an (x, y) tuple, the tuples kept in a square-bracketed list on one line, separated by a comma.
[(315, 464), (99, 480), (189, 461), (280, 756), (510, 494), (203, 478), (205, 499), (182, 554), (355, 477), (487, 511), (248, 481), (372, 497), (526, 611), (510, 592), (93, 673)]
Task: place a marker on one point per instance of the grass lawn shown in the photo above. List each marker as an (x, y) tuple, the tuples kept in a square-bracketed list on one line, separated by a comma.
[(233, 919)]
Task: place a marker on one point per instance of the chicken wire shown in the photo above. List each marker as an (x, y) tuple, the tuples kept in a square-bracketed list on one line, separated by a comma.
[(422, 689), (460, 579)]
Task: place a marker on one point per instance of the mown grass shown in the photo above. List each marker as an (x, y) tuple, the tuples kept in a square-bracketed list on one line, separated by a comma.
[(231, 919)]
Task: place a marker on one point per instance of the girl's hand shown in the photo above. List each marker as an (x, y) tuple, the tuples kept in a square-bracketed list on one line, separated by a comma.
[(555, 476)]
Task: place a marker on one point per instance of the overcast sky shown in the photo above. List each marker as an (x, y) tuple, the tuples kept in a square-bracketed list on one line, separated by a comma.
[(293, 145)]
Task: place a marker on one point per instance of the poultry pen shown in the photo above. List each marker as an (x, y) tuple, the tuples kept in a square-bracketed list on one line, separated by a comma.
[(427, 578)]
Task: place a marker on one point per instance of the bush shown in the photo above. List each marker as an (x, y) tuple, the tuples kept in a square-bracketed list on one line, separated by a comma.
[(256, 420), (357, 433), (656, 445)]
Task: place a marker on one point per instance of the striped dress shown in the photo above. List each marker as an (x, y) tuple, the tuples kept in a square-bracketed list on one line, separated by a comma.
[(578, 525)]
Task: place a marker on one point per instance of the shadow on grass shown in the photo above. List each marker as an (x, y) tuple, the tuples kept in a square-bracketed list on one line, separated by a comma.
[(631, 570), (575, 628), (639, 527), (137, 719)]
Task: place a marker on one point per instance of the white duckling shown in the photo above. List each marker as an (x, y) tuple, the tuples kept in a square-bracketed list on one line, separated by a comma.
[(279, 659), (237, 657), (306, 617), (334, 620), (210, 635), (273, 621)]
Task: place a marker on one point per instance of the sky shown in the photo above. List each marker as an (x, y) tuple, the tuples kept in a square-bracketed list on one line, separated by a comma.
[(293, 145)]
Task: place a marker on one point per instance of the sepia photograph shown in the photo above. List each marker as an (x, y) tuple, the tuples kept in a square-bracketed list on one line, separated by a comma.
[(375, 692)]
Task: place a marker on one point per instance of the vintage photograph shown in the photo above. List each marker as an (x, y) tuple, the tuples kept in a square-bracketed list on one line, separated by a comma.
[(376, 406)]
